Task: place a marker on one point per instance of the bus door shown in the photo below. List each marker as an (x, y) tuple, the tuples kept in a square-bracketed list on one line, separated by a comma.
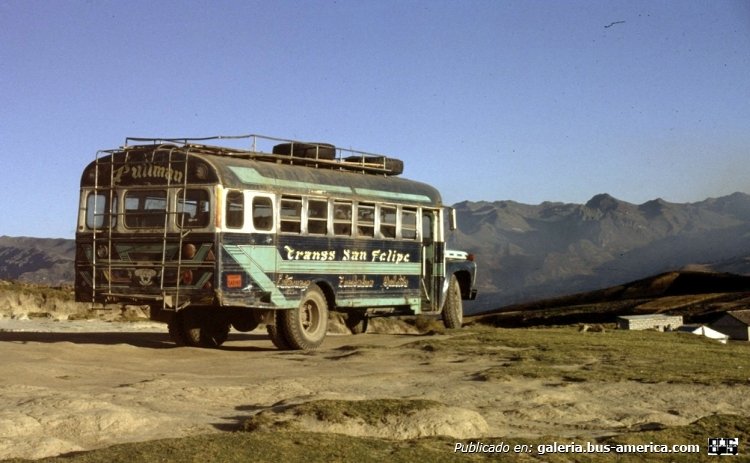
[(433, 252)]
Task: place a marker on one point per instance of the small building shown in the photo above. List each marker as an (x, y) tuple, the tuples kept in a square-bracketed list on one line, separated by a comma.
[(659, 322), (735, 323), (703, 330)]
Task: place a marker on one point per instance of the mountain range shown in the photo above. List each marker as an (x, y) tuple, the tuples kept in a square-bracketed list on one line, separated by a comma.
[(529, 252)]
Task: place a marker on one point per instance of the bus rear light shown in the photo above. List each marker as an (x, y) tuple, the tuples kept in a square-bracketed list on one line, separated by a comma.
[(187, 277), (188, 251), (470, 257)]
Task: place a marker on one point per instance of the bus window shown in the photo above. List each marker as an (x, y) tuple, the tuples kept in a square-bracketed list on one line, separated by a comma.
[(409, 224), (235, 213), (262, 213), (342, 218), (427, 226), (192, 208), (97, 208), (291, 214), (317, 216), (388, 221), (366, 220), (145, 208)]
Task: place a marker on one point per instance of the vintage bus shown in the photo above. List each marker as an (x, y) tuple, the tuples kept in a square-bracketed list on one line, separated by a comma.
[(212, 237)]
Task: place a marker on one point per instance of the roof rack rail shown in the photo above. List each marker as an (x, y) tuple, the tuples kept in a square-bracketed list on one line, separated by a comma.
[(285, 151)]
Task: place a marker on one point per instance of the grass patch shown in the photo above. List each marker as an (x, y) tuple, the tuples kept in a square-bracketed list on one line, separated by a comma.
[(616, 355), (271, 447), (371, 412)]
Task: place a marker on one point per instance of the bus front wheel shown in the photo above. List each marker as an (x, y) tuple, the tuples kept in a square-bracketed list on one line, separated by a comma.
[(305, 326), (453, 310)]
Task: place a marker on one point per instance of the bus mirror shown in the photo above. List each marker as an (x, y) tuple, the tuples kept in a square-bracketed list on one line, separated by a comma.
[(452, 222)]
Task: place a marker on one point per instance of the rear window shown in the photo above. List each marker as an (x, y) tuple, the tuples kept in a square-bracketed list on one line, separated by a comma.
[(145, 208), (193, 208)]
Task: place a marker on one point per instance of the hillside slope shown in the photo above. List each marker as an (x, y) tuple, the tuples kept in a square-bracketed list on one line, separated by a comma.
[(527, 252)]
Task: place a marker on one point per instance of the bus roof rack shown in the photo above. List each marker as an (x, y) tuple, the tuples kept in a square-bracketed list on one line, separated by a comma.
[(281, 151)]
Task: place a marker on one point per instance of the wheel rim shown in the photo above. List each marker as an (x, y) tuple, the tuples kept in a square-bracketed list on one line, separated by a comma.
[(310, 316)]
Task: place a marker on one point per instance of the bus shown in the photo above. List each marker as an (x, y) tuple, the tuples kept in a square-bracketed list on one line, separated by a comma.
[(280, 233)]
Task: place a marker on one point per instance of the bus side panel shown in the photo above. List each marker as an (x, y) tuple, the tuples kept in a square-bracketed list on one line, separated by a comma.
[(267, 271)]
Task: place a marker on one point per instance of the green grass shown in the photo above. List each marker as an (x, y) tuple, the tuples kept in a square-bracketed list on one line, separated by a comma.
[(613, 355)]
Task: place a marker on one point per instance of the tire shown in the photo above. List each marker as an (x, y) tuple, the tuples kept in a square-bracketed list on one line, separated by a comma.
[(453, 309), (392, 166), (174, 326), (201, 328), (323, 151), (277, 336), (244, 321), (305, 327)]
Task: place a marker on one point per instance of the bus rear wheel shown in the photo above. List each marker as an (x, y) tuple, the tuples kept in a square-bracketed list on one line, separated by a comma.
[(453, 310), (199, 328), (305, 326)]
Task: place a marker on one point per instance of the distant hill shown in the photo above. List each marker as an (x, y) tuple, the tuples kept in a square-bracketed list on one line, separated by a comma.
[(700, 297), (531, 252), (37, 260)]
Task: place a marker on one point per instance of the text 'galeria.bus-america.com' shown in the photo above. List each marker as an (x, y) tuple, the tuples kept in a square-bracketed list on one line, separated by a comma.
[(211, 237)]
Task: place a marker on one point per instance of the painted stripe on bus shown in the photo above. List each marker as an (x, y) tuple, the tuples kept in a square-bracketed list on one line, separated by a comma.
[(252, 266), (251, 176)]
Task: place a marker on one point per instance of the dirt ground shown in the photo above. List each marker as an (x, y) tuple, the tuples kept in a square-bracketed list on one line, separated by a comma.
[(78, 385)]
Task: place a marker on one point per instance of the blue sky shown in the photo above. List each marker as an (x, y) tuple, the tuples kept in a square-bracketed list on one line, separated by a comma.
[(487, 100)]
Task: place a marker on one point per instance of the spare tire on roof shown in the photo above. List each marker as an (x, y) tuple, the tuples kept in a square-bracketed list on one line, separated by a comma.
[(392, 166), (324, 151)]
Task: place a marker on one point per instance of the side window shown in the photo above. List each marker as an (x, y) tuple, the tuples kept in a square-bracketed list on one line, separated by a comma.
[(388, 221), (317, 216), (291, 214), (235, 209), (97, 208), (145, 208), (409, 224), (366, 219), (342, 218), (193, 208), (426, 226), (262, 213)]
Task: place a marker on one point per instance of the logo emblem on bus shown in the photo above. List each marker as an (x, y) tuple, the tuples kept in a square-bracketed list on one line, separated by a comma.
[(145, 276)]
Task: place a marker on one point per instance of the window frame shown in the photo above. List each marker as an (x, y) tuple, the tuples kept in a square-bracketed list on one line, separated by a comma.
[(92, 217), (138, 219), (296, 218), (271, 219), (181, 200), (230, 215)]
